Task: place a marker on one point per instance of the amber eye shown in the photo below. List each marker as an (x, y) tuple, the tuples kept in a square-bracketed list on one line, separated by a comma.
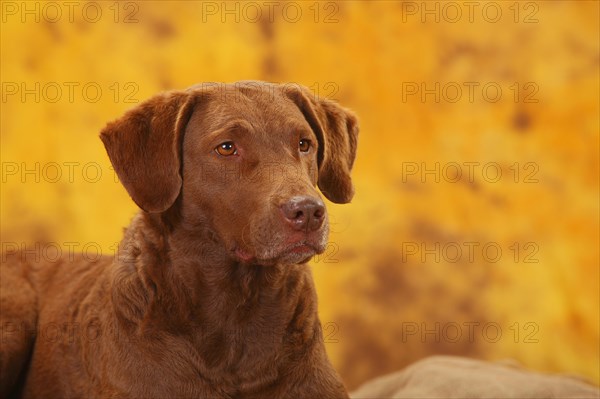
[(304, 145), (226, 149)]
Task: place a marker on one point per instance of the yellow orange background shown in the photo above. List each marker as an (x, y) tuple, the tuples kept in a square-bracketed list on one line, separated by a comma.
[(374, 287)]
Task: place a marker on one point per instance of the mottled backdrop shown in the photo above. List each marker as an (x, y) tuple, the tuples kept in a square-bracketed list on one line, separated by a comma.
[(474, 230)]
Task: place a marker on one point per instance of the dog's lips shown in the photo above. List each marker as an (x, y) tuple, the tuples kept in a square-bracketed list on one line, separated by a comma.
[(300, 252), (284, 247), (301, 247), (243, 255)]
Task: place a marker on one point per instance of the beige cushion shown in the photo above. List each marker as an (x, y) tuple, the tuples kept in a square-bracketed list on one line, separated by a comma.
[(456, 377)]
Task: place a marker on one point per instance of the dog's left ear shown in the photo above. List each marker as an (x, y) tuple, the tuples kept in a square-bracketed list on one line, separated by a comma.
[(336, 129), (144, 147)]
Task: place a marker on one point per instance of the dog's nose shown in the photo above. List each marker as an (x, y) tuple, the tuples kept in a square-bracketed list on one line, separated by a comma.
[(304, 213)]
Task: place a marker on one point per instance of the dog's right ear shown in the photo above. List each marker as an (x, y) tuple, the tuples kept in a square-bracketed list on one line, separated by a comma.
[(144, 146)]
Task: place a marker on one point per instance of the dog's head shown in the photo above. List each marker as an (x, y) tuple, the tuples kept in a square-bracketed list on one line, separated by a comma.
[(243, 160)]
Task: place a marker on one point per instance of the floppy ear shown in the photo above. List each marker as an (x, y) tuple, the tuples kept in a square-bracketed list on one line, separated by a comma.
[(144, 146), (336, 129)]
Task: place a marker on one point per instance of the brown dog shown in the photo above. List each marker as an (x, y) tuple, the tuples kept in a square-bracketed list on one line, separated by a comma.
[(209, 295)]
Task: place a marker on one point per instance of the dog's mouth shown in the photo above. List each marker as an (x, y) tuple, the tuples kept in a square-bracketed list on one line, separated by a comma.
[(298, 252), (301, 252)]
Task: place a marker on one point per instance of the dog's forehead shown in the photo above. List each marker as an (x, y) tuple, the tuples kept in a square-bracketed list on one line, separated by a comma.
[(240, 96), (263, 105)]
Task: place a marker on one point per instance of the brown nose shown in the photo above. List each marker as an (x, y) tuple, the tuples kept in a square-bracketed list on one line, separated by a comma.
[(304, 213)]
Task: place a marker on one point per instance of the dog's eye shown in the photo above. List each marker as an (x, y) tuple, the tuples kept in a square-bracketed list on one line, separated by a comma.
[(226, 149), (304, 145)]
